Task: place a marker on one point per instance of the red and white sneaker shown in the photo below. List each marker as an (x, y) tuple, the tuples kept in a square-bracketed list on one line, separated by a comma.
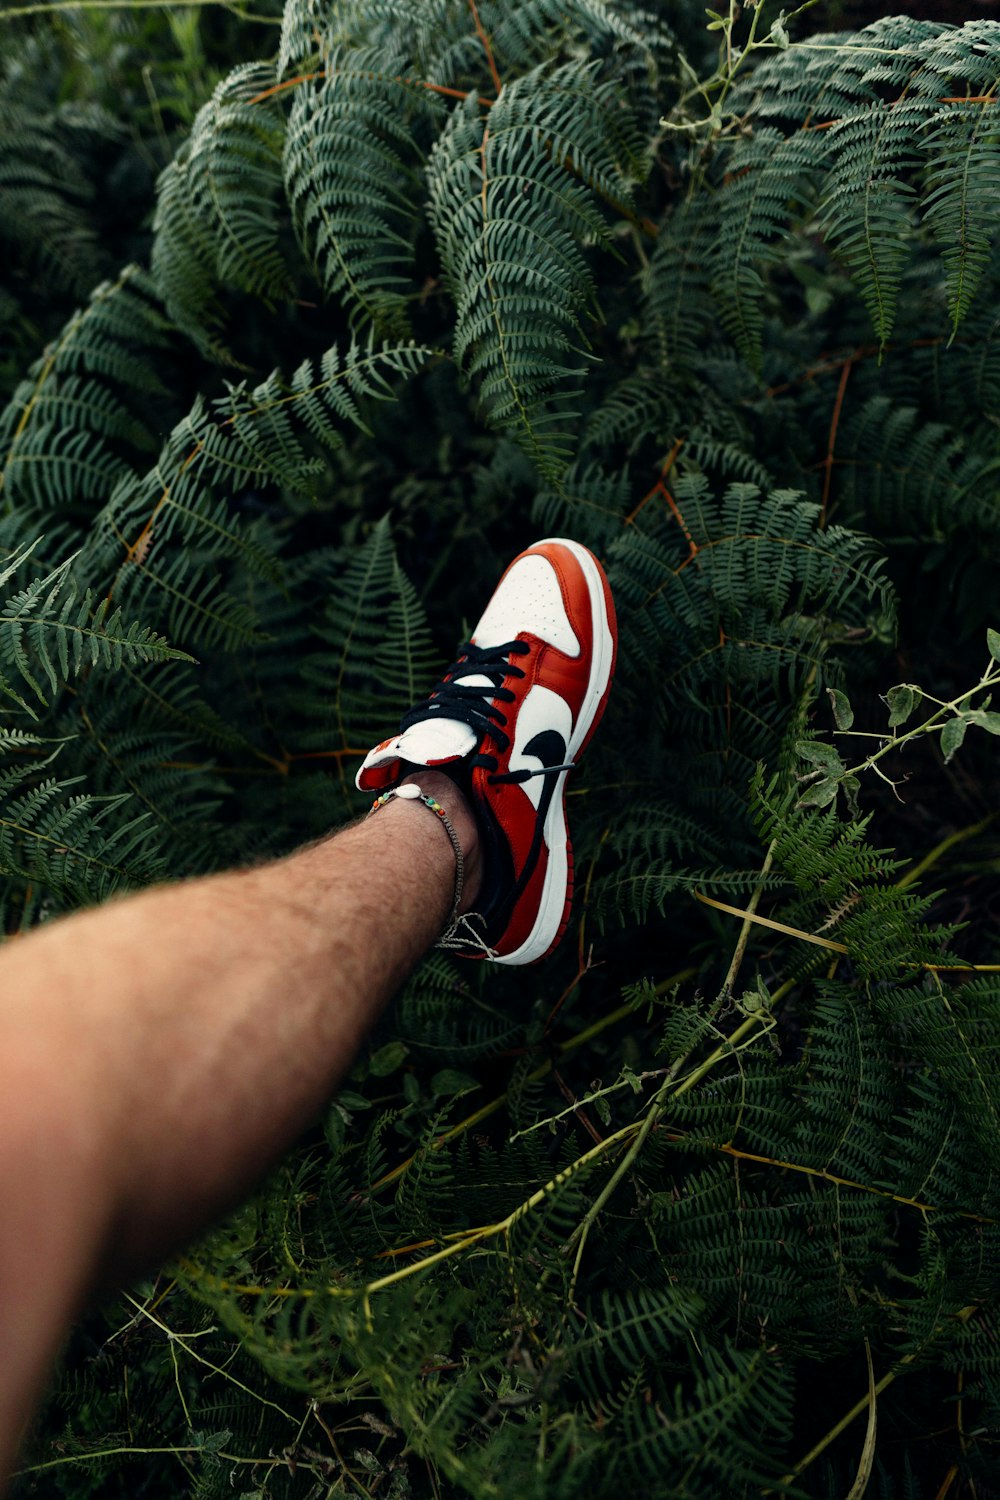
[(509, 721)]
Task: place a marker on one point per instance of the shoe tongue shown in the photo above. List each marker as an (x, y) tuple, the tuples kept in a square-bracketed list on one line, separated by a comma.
[(436, 741), (433, 741)]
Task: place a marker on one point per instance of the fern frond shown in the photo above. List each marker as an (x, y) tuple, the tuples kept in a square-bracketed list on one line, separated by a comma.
[(366, 681), (87, 409), (437, 1013), (48, 632), (916, 472), (636, 1330), (164, 534), (80, 848), (962, 183), (769, 178), (217, 221), (866, 206), (690, 587), (303, 22), (164, 766), (589, 500), (837, 69), (509, 215), (352, 181), (659, 832), (531, 32), (680, 313), (725, 459), (746, 1391), (331, 390), (443, 39), (956, 1032), (849, 1087), (926, 1158), (877, 156), (632, 896), (636, 408), (43, 198), (844, 887)]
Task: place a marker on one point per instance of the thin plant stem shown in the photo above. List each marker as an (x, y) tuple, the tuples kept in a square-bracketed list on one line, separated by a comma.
[(859, 1406), (745, 930), (931, 859), (49, 7), (483, 1113)]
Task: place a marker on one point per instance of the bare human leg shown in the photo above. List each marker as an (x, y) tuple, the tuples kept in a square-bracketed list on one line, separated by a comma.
[(158, 1054)]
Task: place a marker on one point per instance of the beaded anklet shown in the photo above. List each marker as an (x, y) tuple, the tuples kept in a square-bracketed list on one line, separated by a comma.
[(413, 793)]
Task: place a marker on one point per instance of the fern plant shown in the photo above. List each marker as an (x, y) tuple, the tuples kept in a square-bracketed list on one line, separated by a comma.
[(710, 1206)]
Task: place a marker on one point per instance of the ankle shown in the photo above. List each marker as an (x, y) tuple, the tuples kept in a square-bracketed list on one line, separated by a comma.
[(444, 790)]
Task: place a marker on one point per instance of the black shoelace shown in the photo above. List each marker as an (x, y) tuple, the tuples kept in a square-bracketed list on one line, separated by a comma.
[(472, 705)]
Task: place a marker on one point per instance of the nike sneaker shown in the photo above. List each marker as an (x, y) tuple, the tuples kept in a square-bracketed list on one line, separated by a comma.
[(509, 722)]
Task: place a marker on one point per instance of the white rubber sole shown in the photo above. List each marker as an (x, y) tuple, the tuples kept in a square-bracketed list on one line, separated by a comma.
[(554, 890)]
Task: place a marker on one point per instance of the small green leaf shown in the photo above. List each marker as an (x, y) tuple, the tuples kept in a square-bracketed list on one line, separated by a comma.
[(993, 641), (632, 1078), (350, 1100), (779, 35), (212, 1442), (820, 794), (952, 736), (449, 1081), (902, 700), (982, 719), (335, 1126), (843, 713), (850, 786), (819, 753), (388, 1058), (603, 1109), (818, 300)]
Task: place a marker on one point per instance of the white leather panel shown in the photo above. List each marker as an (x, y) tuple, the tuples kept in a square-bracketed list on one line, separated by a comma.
[(432, 739), (542, 709), (556, 875), (528, 599)]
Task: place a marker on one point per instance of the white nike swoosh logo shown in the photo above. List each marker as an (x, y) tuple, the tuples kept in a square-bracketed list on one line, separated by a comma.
[(542, 713)]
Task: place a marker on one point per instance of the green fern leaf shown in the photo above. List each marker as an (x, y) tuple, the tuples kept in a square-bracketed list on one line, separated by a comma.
[(769, 178), (87, 409), (46, 631), (867, 202), (679, 310), (351, 179), (962, 187), (217, 220), (509, 214), (365, 679), (81, 849), (44, 198)]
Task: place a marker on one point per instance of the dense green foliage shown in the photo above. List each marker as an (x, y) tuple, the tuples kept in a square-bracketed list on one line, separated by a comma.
[(423, 280)]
